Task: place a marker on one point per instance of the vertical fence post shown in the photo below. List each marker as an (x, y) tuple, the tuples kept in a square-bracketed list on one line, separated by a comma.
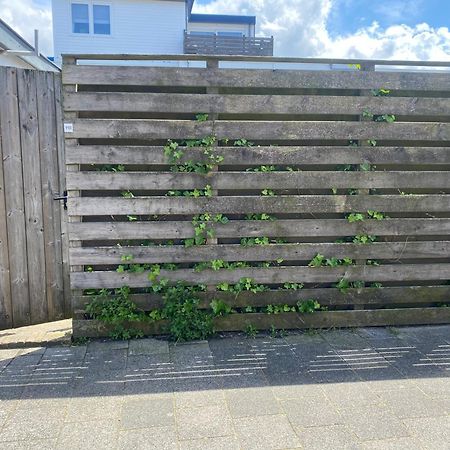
[(69, 118), (62, 188)]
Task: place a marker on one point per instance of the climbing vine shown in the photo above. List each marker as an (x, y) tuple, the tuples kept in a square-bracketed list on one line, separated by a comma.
[(183, 311)]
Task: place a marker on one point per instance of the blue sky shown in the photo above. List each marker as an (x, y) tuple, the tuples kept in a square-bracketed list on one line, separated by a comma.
[(347, 16)]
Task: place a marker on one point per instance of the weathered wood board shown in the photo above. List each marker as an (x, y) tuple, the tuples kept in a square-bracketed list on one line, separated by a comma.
[(316, 152), (31, 273)]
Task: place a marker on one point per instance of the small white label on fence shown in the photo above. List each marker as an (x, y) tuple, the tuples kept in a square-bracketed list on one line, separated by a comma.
[(68, 128)]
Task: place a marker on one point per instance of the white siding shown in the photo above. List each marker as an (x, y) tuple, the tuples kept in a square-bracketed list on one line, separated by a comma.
[(137, 27), (246, 29)]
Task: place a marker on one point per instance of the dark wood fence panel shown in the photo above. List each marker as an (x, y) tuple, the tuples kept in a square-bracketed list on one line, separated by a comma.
[(31, 267), (312, 149)]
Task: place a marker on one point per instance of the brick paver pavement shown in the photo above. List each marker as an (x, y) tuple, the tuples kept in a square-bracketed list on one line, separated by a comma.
[(372, 388)]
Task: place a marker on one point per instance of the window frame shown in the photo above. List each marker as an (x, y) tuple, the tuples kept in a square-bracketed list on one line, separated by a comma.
[(94, 4), (72, 22), (91, 4)]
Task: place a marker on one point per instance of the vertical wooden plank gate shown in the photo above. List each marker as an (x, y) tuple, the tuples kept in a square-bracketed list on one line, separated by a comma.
[(31, 154)]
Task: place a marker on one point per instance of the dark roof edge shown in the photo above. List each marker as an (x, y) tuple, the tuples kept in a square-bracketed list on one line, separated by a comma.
[(221, 18)]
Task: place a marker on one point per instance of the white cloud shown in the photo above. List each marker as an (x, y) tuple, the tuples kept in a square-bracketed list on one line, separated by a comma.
[(300, 29), (24, 16)]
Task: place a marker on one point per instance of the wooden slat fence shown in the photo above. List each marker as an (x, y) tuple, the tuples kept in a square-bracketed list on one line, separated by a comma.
[(33, 277), (309, 148)]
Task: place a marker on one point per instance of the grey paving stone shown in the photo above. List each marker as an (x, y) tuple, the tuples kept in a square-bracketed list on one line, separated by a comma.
[(42, 444), (289, 380), (65, 353), (278, 433), (417, 365), (27, 360), (286, 364), (389, 373), (413, 402), (150, 364), (6, 409), (252, 402), (98, 435), (199, 398), (97, 346), (148, 346), (328, 438), (403, 443), (432, 432), (388, 385), (303, 338), (434, 387), (6, 356), (147, 412), (334, 374), (375, 333), (155, 438), (239, 379), (191, 353), (48, 388), (106, 360), (308, 353), (344, 339), (218, 443), (297, 390), (370, 423), (45, 403), (346, 395), (270, 347), (84, 409), (138, 384), (11, 390), (32, 424), (198, 380), (202, 422), (311, 411), (32, 351)]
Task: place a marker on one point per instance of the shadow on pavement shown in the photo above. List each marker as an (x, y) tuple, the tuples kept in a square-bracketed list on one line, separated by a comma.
[(107, 368)]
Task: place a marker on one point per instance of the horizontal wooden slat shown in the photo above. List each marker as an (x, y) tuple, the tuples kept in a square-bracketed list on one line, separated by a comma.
[(238, 78), (287, 252), (262, 130), (287, 59), (97, 329), (320, 319), (325, 296), (294, 155), (249, 180), (400, 272), (93, 206), (254, 104), (335, 319), (89, 231)]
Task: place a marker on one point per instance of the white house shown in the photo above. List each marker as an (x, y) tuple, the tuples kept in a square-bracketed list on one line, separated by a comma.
[(149, 27)]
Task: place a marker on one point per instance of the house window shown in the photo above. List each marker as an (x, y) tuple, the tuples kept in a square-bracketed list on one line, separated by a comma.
[(102, 24), (80, 18)]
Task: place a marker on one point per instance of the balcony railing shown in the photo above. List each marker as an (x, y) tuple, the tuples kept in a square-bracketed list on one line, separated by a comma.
[(227, 45)]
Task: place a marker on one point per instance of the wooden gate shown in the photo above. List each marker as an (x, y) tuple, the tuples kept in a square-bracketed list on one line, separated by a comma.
[(32, 272), (350, 169)]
